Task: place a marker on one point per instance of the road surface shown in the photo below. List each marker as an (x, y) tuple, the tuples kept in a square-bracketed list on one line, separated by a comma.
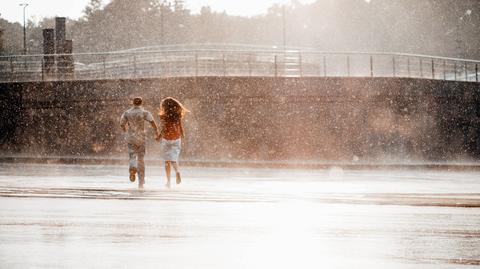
[(74, 216)]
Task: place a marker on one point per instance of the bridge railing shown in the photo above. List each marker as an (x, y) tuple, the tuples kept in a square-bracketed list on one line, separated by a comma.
[(214, 62)]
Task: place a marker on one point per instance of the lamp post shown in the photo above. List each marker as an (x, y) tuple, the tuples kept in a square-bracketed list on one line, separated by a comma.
[(24, 29), (459, 39), (162, 22), (284, 32)]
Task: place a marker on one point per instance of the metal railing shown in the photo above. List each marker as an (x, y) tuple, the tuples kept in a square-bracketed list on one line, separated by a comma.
[(188, 62)]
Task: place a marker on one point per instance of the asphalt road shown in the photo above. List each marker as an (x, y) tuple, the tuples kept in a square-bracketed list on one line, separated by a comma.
[(73, 216)]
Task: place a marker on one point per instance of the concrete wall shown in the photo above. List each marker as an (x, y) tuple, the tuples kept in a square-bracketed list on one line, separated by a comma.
[(346, 119)]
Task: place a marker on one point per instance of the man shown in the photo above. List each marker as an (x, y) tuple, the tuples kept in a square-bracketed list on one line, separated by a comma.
[(135, 119)]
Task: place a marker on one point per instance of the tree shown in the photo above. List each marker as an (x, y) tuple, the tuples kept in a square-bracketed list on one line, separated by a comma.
[(92, 8), (410, 26)]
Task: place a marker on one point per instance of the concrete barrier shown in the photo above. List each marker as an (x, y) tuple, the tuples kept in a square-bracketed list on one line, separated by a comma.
[(265, 119)]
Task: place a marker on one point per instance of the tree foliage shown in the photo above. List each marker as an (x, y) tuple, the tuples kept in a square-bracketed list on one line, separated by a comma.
[(410, 26)]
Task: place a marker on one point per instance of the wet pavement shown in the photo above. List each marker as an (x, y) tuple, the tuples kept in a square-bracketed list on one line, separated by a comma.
[(74, 216)]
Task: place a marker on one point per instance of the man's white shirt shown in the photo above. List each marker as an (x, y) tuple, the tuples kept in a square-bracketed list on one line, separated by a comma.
[(135, 118)]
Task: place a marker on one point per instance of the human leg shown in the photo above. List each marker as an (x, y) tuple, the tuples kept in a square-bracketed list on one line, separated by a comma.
[(167, 172), (132, 161), (177, 172), (137, 163), (170, 153), (141, 168)]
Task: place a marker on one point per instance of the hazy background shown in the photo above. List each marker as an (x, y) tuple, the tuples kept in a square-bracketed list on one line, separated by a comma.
[(443, 28), (37, 9)]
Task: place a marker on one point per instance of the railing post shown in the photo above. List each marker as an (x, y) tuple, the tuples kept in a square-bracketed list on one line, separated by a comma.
[(43, 74), (134, 65), (249, 65), (348, 65), (275, 66), (196, 64), (433, 69), (300, 63), (371, 66), (11, 66), (319, 69), (476, 72), (408, 67), (455, 71), (444, 70), (224, 65), (393, 65), (104, 67), (324, 66), (421, 68)]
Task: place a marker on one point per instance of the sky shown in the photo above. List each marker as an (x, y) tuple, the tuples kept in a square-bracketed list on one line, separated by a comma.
[(37, 9)]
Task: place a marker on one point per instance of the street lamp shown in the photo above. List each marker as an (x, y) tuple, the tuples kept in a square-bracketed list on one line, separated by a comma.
[(24, 29), (459, 39), (284, 32)]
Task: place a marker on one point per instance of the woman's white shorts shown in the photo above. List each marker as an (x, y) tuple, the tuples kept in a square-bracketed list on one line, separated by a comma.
[(171, 149)]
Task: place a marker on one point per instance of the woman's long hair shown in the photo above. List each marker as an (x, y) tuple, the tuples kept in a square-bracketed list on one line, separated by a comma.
[(171, 110)]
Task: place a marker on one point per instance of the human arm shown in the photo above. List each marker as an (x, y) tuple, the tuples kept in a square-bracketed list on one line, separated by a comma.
[(157, 131), (182, 133), (123, 122), (148, 117)]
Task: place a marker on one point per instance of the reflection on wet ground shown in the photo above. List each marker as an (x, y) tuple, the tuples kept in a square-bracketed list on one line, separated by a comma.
[(73, 216)]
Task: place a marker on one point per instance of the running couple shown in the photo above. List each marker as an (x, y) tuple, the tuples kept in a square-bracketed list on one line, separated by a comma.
[(169, 134)]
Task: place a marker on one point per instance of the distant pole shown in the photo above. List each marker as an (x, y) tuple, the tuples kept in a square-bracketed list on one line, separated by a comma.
[(433, 69), (371, 66), (249, 65), (300, 63), (348, 65), (394, 71), (12, 68), (196, 64), (224, 65), (134, 66), (459, 41), (162, 22), (324, 66), (455, 72), (421, 68), (1, 39), (408, 67), (476, 72), (1, 42), (104, 67), (284, 22), (275, 66), (444, 70), (24, 29)]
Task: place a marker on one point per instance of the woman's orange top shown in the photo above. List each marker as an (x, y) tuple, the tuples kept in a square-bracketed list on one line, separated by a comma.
[(171, 130)]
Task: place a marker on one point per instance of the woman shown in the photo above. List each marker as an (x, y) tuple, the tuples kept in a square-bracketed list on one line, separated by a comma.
[(171, 134)]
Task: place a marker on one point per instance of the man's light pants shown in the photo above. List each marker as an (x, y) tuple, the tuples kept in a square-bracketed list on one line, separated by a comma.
[(136, 155)]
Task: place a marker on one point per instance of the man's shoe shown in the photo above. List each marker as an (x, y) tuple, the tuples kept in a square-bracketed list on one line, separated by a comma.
[(179, 179), (133, 171), (168, 184)]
